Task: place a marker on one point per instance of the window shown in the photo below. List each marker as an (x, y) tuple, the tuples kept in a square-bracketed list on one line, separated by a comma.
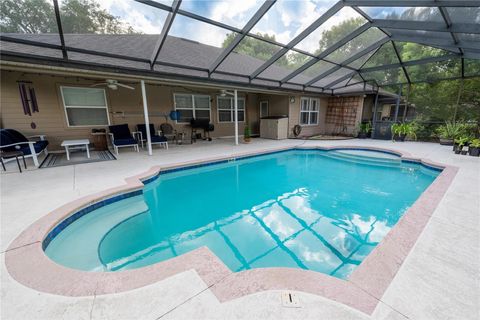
[(263, 109), (85, 106), (309, 111), (192, 106), (226, 109)]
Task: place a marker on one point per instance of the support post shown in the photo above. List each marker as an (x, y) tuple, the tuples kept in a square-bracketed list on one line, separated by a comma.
[(405, 110), (235, 103), (374, 116), (397, 106), (147, 121)]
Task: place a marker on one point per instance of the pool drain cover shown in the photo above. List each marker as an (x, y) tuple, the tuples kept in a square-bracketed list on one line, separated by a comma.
[(290, 300)]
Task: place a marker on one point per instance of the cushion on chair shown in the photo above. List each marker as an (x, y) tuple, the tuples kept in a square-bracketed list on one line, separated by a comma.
[(120, 131), (10, 136), (157, 139), (39, 146), (124, 142), (143, 129)]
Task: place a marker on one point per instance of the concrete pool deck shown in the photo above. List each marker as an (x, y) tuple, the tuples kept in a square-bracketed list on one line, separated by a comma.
[(439, 278)]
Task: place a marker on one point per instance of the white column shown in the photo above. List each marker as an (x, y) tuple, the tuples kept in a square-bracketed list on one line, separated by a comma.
[(147, 121), (235, 103)]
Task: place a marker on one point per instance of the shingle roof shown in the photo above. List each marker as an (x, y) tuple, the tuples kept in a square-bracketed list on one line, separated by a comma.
[(177, 51)]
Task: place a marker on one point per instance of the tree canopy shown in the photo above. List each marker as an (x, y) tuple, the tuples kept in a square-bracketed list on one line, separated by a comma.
[(78, 16)]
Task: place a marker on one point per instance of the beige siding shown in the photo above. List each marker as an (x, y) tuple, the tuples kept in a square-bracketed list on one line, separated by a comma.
[(124, 106), (307, 130)]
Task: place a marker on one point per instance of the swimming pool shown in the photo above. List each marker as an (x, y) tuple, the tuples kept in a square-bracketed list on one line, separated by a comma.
[(318, 210)]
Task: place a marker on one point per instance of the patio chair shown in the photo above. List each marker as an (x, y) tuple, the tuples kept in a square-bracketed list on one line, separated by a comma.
[(167, 131), (120, 136), (155, 138), (12, 140)]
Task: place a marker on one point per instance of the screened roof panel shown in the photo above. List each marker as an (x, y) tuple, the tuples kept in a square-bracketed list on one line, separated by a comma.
[(357, 64), (345, 21), (387, 76), (355, 79), (474, 37), (413, 51), (341, 84), (250, 54), (186, 52), (205, 33), (472, 67), (121, 17), (356, 45), (29, 23), (285, 65), (385, 55), (404, 13), (435, 70), (332, 77), (34, 50), (286, 19), (125, 18), (165, 2), (316, 69), (233, 13), (464, 15), (427, 36)]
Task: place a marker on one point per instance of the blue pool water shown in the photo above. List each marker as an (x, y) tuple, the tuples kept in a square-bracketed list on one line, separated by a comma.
[(309, 209)]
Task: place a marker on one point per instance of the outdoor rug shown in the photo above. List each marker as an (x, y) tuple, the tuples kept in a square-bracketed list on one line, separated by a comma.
[(76, 157)]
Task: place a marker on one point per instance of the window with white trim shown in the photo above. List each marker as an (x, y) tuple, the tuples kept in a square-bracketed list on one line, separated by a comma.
[(309, 111), (192, 106), (226, 109), (85, 107)]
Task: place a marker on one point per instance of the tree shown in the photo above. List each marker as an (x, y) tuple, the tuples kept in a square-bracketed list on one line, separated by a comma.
[(78, 16), (337, 32), (254, 47), (86, 16), (33, 16), (264, 50)]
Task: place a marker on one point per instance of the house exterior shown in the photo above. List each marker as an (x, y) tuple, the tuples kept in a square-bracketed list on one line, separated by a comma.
[(72, 102)]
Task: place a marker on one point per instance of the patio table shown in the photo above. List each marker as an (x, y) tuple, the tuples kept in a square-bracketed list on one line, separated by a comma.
[(73, 143)]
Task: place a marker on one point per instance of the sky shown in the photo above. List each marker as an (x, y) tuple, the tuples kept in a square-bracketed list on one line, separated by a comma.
[(285, 20)]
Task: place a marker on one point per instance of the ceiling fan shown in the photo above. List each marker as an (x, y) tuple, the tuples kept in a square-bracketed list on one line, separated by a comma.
[(112, 84)]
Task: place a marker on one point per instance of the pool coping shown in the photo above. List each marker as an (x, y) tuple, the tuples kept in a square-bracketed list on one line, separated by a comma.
[(27, 263)]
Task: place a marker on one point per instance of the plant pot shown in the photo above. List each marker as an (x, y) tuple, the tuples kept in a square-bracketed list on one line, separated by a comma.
[(247, 140), (446, 142), (463, 152), (474, 151), (399, 138), (362, 135), (457, 148)]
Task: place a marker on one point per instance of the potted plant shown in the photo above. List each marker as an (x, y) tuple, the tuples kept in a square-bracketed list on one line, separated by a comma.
[(459, 144), (402, 130), (364, 130), (474, 148), (397, 132), (247, 134), (449, 131)]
